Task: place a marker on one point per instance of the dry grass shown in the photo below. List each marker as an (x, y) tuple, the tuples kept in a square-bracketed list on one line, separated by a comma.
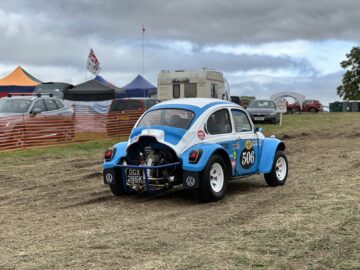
[(55, 213)]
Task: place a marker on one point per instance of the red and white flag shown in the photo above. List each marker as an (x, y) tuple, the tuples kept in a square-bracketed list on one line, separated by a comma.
[(93, 64)]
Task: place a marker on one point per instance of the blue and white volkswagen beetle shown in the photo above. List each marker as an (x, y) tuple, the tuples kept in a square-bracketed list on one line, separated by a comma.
[(196, 144)]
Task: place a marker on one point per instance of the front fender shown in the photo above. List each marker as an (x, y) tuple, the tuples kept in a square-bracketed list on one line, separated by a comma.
[(119, 153), (207, 151), (269, 148)]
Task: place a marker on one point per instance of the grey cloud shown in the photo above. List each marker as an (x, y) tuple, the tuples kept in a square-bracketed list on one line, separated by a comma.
[(202, 21)]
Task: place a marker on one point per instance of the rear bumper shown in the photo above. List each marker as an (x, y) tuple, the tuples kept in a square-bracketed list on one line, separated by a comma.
[(118, 175)]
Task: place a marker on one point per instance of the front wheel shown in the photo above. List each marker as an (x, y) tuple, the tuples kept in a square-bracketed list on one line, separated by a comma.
[(279, 171), (213, 180)]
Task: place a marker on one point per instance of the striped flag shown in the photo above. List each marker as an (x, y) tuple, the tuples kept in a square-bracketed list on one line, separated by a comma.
[(93, 64)]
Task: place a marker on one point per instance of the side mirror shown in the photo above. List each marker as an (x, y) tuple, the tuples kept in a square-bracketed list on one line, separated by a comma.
[(36, 111), (258, 129)]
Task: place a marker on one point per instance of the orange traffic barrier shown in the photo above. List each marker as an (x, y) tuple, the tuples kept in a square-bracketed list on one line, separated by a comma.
[(27, 131)]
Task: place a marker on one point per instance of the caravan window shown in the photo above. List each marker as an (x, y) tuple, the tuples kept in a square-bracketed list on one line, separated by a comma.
[(190, 90), (176, 90), (213, 90)]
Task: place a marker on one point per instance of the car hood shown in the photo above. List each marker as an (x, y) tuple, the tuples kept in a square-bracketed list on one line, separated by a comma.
[(9, 114), (262, 111)]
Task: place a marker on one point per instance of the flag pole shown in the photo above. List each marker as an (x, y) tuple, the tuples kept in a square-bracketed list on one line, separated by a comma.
[(143, 39), (143, 61)]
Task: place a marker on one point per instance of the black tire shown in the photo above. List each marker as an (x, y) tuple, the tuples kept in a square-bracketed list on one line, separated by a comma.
[(312, 110), (277, 177), (117, 189), (68, 133), (212, 191), (18, 136)]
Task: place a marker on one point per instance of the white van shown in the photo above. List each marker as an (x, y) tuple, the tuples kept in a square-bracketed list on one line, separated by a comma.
[(203, 83)]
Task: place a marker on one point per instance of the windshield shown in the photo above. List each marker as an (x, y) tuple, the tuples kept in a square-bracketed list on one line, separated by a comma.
[(168, 117), (14, 105), (263, 104)]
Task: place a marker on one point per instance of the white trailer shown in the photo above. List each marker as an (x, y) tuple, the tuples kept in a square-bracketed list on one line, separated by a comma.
[(203, 82)]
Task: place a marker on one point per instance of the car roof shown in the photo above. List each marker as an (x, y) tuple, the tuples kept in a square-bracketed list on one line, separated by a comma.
[(32, 97), (195, 102), (135, 98), (254, 100)]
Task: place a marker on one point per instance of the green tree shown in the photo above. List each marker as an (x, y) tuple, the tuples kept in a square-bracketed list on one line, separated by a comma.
[(349, 90)]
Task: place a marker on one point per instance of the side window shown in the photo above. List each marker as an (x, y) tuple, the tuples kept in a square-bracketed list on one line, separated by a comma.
[(190, 90), (50, 104), (39, 104), (176, 90), (59, 104), (241, 122), (219, 122)]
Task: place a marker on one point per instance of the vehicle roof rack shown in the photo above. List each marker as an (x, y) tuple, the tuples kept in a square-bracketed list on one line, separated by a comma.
[(18, 94), (43, 94)]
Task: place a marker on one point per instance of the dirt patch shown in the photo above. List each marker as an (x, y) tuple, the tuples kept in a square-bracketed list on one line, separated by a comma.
[(58, 214)]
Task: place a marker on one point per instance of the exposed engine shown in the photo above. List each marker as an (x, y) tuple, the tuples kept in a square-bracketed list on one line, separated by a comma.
[(149, 152)]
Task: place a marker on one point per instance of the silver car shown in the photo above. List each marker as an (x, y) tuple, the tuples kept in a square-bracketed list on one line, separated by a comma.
[(263, 110), (34, 119)]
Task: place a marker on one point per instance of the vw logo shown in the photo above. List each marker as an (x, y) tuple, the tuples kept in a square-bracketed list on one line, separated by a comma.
[(109, 178), (190, 181)]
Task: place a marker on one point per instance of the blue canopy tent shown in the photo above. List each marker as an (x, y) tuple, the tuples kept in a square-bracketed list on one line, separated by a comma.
[(139, 87)]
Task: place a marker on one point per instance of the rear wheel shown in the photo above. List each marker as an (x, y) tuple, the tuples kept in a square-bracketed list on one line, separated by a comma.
[(312, 110), (68, 132), (117, 189), (279, 171), (213, 180), (18, 136)]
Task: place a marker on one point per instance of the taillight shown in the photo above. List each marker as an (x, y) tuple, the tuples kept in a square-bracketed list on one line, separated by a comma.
[(195, 155), (109, 153)]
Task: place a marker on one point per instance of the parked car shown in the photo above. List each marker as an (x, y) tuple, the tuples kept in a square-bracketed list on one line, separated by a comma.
[(263, 110), (193, 143), (125, 111), (310, 105), (25, 119)]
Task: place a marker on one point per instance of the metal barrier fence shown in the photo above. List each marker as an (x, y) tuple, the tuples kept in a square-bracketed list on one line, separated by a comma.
[(85, 125)]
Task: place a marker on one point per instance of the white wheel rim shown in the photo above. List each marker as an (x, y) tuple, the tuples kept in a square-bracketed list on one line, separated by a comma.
[(18, 136), (216, 177), (281, 168), (67, 134)]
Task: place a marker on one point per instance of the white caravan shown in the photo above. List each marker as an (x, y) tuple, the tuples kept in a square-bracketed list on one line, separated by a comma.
[(204, 83)]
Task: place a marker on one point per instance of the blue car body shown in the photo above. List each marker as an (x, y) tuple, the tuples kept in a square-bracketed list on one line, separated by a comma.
[(160, 155)]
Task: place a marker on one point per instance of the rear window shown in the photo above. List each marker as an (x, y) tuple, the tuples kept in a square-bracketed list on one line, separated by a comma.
[(123, 105), (150, 103), (167, 117)]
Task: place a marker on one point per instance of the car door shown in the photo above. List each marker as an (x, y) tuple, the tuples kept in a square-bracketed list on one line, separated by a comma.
[(246, 148), (55, 121), (36, 123)]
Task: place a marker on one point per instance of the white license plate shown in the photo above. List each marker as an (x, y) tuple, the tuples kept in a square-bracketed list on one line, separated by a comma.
[(259, 118), (135, 176)]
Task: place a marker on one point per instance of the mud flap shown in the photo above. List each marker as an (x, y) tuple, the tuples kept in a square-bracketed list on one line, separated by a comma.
[(190, 179), (109, 176)]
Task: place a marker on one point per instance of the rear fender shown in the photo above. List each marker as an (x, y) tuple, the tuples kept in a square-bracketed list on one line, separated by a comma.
[(119, 153), (269, 148), (207, 151)]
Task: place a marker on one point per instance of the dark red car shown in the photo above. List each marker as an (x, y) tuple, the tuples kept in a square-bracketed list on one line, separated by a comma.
[(310, 105)]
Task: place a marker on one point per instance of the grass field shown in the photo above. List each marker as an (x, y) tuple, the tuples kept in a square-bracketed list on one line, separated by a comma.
[(55, 213)]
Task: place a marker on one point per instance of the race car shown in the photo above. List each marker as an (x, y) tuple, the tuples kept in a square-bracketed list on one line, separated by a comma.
[(193, 143)]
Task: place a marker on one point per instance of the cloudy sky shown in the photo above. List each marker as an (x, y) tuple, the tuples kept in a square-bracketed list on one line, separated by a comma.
[(261, 46)]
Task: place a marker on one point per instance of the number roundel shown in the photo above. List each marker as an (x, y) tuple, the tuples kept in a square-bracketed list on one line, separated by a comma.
[(247, 157)]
